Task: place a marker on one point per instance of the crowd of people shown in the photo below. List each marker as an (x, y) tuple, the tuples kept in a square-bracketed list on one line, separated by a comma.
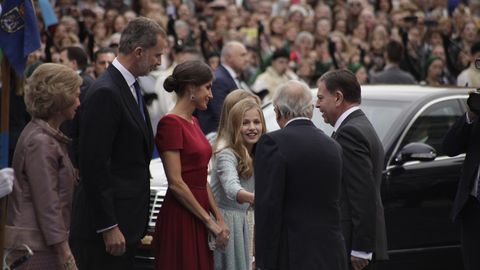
[(283, 39), (115, 84)]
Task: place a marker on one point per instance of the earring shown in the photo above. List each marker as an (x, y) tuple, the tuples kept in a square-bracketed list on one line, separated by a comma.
[(192, 97)]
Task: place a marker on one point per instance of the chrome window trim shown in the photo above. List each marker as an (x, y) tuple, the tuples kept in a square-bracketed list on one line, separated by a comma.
[(412, 163), (415, 117)]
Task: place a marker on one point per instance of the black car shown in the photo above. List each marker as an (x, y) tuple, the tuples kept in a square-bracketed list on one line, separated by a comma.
[(419, 181)]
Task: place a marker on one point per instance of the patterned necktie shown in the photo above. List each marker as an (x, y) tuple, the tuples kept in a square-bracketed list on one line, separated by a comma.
[(334, 134), (241, 83), (138, 92)]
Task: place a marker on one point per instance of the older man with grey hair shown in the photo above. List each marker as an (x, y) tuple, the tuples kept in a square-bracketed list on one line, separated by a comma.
[(297, 188)]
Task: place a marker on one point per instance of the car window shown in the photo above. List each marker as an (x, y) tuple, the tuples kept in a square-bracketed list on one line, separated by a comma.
[(382, 114), (433, 123)]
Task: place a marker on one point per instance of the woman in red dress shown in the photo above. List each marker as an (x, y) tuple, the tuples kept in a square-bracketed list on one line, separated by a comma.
[(184, 221)]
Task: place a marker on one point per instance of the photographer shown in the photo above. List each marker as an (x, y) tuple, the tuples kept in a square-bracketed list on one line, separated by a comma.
[(464, 137)]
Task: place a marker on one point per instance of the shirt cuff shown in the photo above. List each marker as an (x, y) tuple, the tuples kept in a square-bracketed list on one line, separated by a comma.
[(468, 119), (362, 255), (106, 229)]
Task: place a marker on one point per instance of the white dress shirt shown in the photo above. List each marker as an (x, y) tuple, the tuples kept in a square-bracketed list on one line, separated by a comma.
[(127, 76)]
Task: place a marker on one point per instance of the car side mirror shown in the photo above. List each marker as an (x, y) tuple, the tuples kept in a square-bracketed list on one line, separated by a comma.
[(415, 152)]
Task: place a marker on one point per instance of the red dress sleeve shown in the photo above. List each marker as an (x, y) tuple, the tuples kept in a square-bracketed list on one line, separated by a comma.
[(169, 134)]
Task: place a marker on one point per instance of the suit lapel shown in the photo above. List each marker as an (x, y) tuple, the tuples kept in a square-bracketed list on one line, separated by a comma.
[(227, 75), (132, 106)]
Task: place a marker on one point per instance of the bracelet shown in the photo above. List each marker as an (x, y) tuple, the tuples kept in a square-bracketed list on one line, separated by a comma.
[(69, 263)]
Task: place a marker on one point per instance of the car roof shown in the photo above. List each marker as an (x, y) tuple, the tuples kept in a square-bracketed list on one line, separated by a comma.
[(408, 93)]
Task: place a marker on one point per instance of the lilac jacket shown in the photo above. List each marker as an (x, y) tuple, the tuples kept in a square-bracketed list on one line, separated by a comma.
[(39, 206)]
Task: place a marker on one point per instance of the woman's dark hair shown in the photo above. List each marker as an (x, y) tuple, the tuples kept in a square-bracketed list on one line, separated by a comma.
[(193, 72)]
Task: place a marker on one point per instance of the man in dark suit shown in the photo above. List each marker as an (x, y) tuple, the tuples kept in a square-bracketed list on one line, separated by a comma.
[(111, 207), (362, 217), (297, 188), (77, 59), (392, 74), (102, 59), (464, 137), (228, 77)]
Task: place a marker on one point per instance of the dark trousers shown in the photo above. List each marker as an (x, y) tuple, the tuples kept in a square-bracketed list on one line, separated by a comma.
[(470, 234), (91, 255)]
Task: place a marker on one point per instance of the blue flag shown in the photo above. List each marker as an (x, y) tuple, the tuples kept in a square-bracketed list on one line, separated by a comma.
[(18, 32), (48, 14)]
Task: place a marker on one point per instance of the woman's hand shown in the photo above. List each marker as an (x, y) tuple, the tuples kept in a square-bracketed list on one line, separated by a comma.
[(222, 239), (221, 232), (213, 227), (65, 257)]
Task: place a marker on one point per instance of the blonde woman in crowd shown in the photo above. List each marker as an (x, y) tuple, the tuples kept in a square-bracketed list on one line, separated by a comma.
[(40, 204)]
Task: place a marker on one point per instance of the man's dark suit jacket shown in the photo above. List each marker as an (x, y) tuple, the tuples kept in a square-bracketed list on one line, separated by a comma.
[(392, 75), (222, 85), (464, 138), (297, 188), (115, 150), (362, 216)]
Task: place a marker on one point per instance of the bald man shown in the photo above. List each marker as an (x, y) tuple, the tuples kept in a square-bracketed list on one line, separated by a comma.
[(227, 78)]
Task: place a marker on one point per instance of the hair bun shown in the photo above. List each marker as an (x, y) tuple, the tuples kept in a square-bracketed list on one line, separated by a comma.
[(170, 84)]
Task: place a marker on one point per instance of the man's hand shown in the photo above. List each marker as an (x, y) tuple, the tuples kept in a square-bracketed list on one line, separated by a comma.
[(114, 241), (358, 263)]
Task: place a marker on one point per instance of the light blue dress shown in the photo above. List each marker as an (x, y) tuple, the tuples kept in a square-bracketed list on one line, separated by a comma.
[(226, 183)]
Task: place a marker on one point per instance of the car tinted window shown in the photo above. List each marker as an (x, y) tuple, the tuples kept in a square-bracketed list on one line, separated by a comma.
[(433, 123)]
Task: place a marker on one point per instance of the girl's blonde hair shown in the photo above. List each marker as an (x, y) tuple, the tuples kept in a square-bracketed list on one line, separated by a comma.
[(232, 137)]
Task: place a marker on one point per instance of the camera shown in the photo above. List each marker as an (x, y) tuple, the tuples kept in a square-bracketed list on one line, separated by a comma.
[(473, 102)]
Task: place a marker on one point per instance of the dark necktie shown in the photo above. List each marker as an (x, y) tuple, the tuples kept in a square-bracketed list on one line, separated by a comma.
[(333, 135), (138, 92)]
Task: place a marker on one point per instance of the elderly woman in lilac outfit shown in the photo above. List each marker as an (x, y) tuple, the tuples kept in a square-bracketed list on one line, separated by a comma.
[(40, 204)]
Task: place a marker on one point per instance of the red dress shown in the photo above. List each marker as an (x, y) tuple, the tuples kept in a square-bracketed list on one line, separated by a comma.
[(180, 240)]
